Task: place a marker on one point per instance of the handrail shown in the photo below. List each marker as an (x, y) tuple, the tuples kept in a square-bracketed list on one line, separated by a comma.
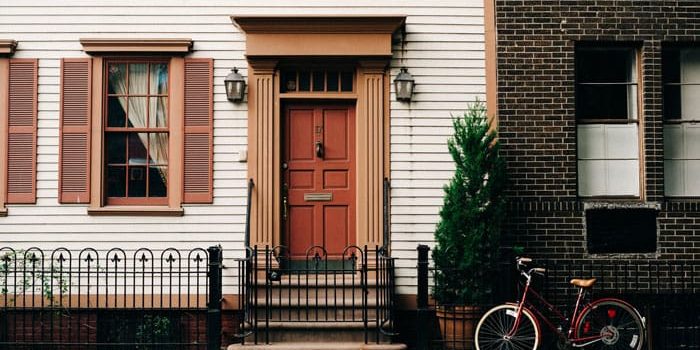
[(251, 185), (385, 209)]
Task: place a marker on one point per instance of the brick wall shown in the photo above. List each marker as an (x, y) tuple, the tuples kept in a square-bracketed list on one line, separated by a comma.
[(535, 44)]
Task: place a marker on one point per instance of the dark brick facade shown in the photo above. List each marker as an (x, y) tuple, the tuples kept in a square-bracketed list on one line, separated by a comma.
[(535, 45)]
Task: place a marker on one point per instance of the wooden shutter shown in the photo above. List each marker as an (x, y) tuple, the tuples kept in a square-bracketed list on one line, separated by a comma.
[(74, 145), (22, 125), (198, 127)]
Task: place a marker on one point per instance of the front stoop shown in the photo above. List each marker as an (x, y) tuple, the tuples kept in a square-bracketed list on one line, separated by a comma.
[(318, 346)]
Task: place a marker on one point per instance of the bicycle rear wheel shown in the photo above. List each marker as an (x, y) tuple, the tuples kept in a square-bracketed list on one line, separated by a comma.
[(617, 322), (493, 328)]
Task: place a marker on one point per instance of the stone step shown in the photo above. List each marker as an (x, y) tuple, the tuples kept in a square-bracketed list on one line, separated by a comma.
[(320, 302), (317, 292), (313, 278), (319, 346), (316, 315), (315, 332)]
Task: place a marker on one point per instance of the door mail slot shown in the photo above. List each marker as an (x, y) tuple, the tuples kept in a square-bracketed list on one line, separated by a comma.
[(318, 197)]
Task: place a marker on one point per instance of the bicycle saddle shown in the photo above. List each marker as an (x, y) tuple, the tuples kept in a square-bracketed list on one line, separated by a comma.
[(583, 283)]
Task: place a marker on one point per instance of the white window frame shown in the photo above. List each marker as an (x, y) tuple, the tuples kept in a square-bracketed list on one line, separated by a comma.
[(682, 133), (608, 150)]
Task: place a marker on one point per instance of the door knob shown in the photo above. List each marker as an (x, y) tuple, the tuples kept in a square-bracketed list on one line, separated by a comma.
[(319, 149)]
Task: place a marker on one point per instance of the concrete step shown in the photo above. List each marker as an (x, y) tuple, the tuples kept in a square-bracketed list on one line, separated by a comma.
[(330, 345), (317, 292), (315, 332), (316, 315), (321, 302), (312, 278)]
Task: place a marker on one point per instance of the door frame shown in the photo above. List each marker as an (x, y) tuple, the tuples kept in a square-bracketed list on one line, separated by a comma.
[(363, 42)]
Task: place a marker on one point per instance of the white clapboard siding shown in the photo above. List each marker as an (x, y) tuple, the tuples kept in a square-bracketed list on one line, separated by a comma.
[(443, 50)]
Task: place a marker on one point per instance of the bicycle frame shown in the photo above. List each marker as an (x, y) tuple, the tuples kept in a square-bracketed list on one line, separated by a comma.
[(570, 336)]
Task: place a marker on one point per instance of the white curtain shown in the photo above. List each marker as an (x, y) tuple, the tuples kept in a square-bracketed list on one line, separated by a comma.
[(138, 107)]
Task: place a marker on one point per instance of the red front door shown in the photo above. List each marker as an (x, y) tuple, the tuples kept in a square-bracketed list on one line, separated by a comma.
[(319, 178)]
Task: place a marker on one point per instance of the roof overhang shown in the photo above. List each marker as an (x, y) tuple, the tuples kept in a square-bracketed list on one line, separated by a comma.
[(327, 35)]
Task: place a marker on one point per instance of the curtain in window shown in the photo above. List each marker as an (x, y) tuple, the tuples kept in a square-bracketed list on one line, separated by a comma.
[(138, 107)]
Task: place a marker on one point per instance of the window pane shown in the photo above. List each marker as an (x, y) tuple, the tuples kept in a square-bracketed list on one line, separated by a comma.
[(116, 79), (605, 65), (138, 78), (288, 81), (304, 81), (674, 177), (692, 179), (690, 102), (115, 185), (671, 65), (137, 181), (158, 148), (157, 116), (346, 81), (137, 148), (690, 66), (159, 79), (603, 102), (157, 181), (672, 102), (332, 81), (137, 112), (116, 111), (115, 144), (318, 81)]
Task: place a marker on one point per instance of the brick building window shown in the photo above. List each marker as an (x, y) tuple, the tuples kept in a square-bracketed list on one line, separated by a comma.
[(607, 117), (681, 83)]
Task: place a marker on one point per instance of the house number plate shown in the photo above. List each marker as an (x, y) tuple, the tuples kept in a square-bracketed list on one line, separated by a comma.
[(318, 197)]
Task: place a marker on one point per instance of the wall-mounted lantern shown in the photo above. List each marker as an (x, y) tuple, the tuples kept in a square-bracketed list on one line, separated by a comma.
[(404, 84), (235, 86)]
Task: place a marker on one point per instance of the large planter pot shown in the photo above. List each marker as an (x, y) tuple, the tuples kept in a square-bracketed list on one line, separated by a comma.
[(457, 325)]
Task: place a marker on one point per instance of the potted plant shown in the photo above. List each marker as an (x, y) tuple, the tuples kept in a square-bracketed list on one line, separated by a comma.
[(467, 235)]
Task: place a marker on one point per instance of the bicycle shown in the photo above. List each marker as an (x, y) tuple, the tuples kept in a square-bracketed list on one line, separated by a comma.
[(607, 323)]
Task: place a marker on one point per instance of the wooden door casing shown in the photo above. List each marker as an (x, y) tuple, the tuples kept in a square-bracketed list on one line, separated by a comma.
[(327, 223)]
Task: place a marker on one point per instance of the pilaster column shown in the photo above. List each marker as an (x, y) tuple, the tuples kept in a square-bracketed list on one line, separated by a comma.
[(372, 99), (264, 152)]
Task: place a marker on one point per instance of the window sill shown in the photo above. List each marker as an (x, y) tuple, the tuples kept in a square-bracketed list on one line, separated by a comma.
[(135, 211)]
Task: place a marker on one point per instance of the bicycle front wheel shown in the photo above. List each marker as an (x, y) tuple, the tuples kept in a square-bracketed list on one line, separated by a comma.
[(493, 330), (618, 324)]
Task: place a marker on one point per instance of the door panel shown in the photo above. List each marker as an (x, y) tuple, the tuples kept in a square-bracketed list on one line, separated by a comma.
[(319, 187)]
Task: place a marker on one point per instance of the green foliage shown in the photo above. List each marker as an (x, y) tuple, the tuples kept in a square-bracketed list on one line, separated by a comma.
[(468, 234), (21, 273), (154, 329)]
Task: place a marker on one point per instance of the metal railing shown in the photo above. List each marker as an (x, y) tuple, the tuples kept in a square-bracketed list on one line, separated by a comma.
[(667, 293), (139, 299), (354, 289)]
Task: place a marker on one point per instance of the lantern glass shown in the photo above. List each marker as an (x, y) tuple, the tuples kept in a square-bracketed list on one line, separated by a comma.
[(235, 86), (403, 85)]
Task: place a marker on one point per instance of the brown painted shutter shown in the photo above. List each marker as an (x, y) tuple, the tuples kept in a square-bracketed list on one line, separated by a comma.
[(22, 125), (74, 147), (198, 124)]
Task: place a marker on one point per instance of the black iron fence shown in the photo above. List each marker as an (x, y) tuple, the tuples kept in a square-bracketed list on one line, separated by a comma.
[(667, 293), (354, 290), (92, 299)]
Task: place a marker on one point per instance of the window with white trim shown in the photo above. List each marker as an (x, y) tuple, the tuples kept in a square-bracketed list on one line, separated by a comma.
[(607, 121), (681, 90)]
